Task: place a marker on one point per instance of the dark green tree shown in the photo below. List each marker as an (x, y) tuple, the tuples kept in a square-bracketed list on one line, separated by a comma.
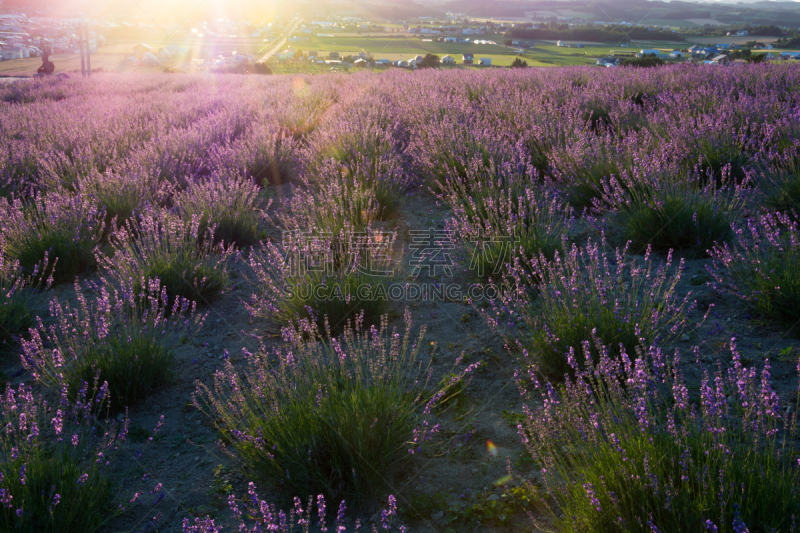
[(643, 62), (519, 63), (262, 68), (429, 61)]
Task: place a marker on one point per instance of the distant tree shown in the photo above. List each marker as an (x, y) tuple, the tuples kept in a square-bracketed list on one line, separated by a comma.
[(429, 61), (261, 68), (788, 42), (643, 62), (519, 63), (766, 31), (508, 42)]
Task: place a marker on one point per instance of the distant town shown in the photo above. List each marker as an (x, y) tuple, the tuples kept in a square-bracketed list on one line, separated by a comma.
[(296, 43)]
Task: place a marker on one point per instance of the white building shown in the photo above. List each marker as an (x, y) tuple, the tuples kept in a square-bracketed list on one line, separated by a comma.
[(486, 61), (150, 59), (140, 49), (676, 54), (14, 52), (448, 60), (172, 51)]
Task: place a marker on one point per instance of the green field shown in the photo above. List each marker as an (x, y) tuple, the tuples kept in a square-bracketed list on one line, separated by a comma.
[(552, 55), (395, 47), (384, 46), (406, 47)]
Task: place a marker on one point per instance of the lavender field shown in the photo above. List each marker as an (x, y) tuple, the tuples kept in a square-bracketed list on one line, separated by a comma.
[(523, 300)]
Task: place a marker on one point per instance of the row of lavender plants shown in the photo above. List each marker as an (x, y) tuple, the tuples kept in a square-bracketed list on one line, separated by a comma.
[(159, 184)]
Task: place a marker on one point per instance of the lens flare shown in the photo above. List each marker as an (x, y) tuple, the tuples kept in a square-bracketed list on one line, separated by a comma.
[(505, 480), (298, 84), (492, 448)]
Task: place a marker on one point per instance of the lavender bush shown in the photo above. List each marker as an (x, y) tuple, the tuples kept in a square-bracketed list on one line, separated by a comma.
[(266, 157), (583, 167), (365, 148), (265, 516), (323, 415), (121, 195), (503, 218), (164, 248), (584, 294), (310, 100), (232, 205), (125, 337), (782, 186), (761, 266), (178, 155), (665, 213), (446, 149), (62, 227), (55, 462), (18, 174), (619, 452), (784, 195), (15, 312), (726, 156), (337, 206), (326, 277)]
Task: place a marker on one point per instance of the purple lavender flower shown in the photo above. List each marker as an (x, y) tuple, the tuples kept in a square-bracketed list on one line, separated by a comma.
[(590, 493)]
